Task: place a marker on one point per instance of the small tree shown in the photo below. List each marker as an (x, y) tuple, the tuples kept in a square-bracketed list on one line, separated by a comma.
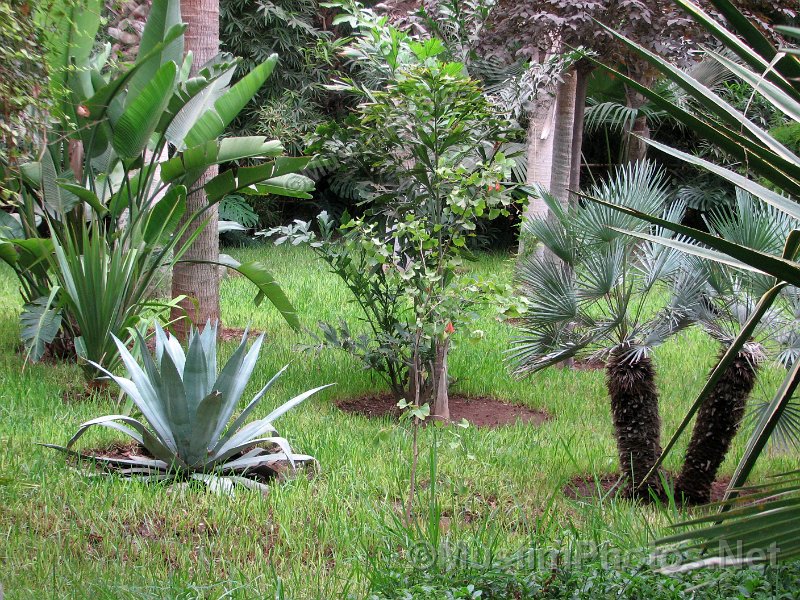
[(431, 140)]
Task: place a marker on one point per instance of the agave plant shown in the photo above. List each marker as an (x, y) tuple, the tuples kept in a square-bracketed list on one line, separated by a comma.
[(188, 407), (593, 295)]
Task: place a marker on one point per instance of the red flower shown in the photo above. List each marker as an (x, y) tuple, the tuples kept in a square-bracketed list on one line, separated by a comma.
[(449, 329), (82, 111)]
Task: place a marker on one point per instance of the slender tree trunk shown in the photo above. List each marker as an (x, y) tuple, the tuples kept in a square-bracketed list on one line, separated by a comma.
[(637, 424), (539, 154), (716, 425), (635, 138), (561, 175), (540, 151), (197, 281), (581, 85), (441, 401)]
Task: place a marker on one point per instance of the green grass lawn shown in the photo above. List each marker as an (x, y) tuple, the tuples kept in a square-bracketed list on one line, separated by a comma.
[(66, 535)]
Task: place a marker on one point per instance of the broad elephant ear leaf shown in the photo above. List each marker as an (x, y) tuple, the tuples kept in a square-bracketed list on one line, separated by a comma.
[(40, 322)]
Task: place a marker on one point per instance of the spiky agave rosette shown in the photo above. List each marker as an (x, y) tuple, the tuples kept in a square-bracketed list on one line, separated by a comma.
[(188, 407)]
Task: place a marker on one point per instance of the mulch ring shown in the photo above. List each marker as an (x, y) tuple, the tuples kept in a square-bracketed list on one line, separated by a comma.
[(480, 411), (133, 450), (584, 487)]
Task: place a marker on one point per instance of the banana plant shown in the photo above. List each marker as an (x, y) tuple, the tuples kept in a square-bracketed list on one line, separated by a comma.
[(771, 172), (188, 406), (126, 152)]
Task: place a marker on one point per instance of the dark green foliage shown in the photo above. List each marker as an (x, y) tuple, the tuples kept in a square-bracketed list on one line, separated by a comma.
[(717, 422), (22, 79), (236, 208), (788, 135), (293, 29)]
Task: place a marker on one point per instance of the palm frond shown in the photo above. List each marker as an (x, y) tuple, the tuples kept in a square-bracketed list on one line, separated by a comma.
[(761, 525)]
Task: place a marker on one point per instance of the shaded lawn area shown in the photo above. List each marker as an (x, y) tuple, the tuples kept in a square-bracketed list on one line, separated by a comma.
[(67, 535)]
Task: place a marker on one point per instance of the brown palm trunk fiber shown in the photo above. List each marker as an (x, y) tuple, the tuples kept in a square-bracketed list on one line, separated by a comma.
[(716, 425), (637, 424)]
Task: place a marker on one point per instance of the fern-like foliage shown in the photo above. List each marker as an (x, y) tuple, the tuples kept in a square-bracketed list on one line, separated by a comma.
[(293, 29)]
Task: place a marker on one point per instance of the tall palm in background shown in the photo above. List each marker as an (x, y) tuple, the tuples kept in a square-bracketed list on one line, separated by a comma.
[(617, 115), (199, 281), (598, 293)]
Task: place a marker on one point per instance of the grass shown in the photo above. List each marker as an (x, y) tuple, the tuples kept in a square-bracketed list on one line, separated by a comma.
[(68, 535)]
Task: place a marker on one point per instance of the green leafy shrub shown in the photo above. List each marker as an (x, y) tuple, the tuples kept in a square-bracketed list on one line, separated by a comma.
[(431, 140)]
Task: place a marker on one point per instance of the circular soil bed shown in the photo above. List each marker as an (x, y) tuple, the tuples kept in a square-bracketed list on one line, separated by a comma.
[(133, 450), (583, 487), (480, 411)]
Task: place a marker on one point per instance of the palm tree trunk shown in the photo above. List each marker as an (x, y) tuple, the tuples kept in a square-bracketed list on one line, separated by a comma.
[(539, 154), (636, 138), (637, 424), (540, 151), (199, 282), (581, 86), (716, 425), (563, 132)]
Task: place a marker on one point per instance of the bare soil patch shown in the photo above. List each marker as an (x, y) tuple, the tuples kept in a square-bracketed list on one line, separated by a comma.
[(583, 487), (589, 364), (131, 450), (480, 411)]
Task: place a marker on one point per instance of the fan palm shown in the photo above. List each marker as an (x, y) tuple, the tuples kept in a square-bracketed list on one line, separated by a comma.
[(767, 166), (598, 293), (727, 303)]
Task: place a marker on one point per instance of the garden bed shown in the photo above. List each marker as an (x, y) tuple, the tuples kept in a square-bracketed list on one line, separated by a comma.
[(480, 411), (587, 487)]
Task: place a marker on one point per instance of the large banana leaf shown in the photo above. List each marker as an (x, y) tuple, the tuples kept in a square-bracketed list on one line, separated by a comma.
[(196, 98), (72, 27), (162, 17), (278, 178), (199, 158), (267, 285), (213, 122), (135, 126)]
